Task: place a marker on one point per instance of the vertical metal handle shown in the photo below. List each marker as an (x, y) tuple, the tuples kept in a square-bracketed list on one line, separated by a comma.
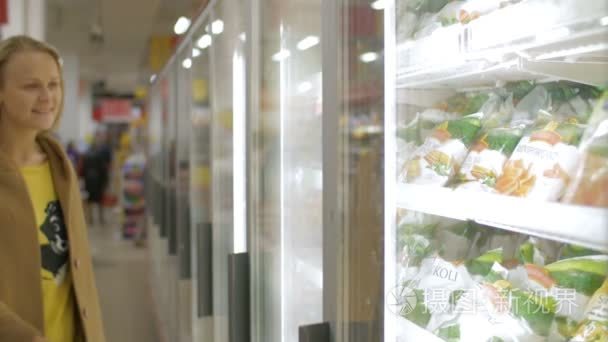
[(238, 298), (314, 333), (185, 246), (172, 222), (204, 253), (164, 217)]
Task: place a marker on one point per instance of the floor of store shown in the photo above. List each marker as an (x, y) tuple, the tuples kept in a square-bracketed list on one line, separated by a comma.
[(123, 281)]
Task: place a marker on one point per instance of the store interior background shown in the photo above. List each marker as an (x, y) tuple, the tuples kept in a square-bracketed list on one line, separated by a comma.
[(113, 49), (110, 48)]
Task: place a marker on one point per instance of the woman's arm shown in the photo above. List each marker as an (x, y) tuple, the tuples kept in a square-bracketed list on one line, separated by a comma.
[(14, 329)]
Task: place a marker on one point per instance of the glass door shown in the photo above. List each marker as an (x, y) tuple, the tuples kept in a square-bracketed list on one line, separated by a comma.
[(200, 184), (285, 168), (495, 171), (226, 29)]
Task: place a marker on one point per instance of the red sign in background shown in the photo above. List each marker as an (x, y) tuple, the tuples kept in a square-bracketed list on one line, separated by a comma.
[(3, 12), (115, 110)]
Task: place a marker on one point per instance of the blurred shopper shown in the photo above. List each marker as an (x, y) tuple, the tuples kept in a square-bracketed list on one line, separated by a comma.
[(96, 174), (73, 154), (47, 286)]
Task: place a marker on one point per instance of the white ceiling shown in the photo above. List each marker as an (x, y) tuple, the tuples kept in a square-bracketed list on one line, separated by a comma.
[(127, 25)]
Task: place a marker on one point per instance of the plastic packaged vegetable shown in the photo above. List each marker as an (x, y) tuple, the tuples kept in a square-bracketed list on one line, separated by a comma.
[(590, 185), (576, 279), (484, 163), (543, 163), (594, 327), (437, 159)]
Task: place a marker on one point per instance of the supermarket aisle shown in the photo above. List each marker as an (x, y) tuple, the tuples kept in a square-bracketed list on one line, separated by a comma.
[(122, 279)]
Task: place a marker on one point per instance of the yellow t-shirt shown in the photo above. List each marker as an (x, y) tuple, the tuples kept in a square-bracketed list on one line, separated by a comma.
[(57, 292)]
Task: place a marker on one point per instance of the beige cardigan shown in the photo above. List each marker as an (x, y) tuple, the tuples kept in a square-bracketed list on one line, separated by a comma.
[(21, 308)]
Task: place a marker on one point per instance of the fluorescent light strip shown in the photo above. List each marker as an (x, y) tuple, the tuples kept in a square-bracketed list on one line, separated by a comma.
[(181, 25), (281, 55), (308, 42), (217, 26), (368, 57), (238, 157), (378, 5), (204, 41)]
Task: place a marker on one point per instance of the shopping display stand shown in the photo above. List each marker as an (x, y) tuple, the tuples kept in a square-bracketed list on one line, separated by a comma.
[(132, 197)]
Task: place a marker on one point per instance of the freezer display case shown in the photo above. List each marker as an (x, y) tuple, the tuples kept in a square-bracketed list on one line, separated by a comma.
[(496, 170), (227, 30), (200, 186), (285, 168)]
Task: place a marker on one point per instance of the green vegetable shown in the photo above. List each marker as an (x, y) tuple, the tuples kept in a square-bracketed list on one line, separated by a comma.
[(475, 103), (465, 129), (566, 326), (571, 133), (420, 315), (455, 297), (560, 91), (584, 282), (483, 264), (450, 333), (572, 251), (447, 21), (591, 264), (493, 276), (584, 274), (411, 132), (539, 312), (418, 248), (526, 253), (504, 140), (466, 104), (519, 89)]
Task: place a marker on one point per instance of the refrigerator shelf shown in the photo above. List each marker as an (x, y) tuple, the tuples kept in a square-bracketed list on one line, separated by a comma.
[(584, 226), (549, 37)]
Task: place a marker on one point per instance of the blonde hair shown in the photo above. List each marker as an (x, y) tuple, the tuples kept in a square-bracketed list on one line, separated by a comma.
[(16, 44)]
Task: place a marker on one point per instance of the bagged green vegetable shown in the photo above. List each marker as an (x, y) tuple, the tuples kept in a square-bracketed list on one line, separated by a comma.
[(437, 159), (576, 279), (484, 163), (590, 184), (594, 327), (543, 163)]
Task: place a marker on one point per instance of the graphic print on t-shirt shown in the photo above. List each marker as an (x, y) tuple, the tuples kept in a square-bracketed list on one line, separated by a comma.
[(55, 253)]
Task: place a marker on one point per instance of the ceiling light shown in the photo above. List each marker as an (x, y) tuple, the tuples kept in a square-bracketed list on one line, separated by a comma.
[(604, 21), (181, 25), (378, 5), (187, 63), (196, 52), (281, 55), (304, 87), (204, 42), (152, 78), (217, 27), (308, 42), (243, 36), (368, 57)]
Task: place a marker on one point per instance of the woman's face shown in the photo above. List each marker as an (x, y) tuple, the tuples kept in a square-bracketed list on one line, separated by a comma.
[(32, 94)]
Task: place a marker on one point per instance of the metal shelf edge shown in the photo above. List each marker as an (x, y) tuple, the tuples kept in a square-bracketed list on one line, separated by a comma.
[(585, 226)]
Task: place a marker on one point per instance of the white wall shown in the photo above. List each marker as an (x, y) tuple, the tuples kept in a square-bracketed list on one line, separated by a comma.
[(85, 112), (29, 17), (69, 129), (25, 17)]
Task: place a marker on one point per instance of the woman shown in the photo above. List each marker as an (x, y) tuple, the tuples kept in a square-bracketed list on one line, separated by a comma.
[(47, 287)]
